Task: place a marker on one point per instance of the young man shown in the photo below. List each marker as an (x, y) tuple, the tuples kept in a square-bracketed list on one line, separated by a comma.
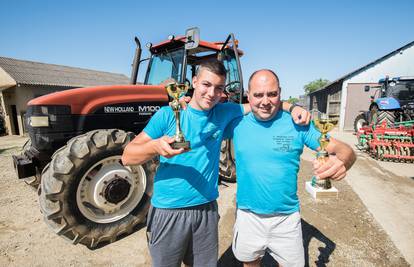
[(182, 222), (268, 148)]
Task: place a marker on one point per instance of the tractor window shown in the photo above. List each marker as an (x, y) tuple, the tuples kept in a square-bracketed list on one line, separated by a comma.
[(403, 91), (165, 65), (231, 65), (233, 83)]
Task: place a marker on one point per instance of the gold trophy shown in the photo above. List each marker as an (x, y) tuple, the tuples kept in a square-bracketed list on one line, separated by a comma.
[(322, 188), (175, 91)]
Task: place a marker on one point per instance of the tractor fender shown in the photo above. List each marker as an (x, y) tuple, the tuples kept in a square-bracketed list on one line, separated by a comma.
[(84, 101), (386, 103)]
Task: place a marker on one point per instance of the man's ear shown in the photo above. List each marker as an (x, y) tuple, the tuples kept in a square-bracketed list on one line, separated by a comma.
[(195, 81)]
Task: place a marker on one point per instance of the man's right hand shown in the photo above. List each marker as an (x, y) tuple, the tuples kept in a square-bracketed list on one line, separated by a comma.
[(163, 147), (300, 115)]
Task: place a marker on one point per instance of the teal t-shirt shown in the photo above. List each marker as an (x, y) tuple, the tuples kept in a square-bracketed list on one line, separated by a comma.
[(190, 179), (267, 161)]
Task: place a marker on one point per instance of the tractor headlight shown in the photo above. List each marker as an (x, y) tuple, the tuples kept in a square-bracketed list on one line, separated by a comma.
[(39, 121), (49, 118)]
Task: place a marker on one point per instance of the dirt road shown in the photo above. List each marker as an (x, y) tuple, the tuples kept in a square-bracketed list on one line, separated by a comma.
[(338, 232), (387, 190)]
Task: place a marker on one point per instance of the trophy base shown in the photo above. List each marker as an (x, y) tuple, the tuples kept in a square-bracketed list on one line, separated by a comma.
[(320, 193), (178, 145)]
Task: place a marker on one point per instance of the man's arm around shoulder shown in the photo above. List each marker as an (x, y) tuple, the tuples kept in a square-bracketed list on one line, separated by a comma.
[(144, 148)]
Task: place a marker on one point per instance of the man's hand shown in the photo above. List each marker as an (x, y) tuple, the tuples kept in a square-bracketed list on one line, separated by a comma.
[(300, 115), (184, 101), (333, 168), (168, 81), (162, 146)]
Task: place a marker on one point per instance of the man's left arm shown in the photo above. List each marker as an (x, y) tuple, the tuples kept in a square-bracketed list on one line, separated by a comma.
[(299, 115), (341, 158)]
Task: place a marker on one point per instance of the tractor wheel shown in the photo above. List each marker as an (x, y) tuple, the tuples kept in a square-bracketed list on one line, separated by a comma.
[(360, 122), (387, 116), (227, 167), (88, 196), (373, 115)]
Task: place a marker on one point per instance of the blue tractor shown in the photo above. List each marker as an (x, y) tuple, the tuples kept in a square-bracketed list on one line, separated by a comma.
[(392, 102)]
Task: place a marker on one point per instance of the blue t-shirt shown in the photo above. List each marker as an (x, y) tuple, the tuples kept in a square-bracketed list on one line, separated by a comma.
[(190, 179), (267, 161)]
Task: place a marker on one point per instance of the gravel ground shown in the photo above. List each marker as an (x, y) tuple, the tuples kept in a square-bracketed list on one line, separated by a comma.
[(338, 232)]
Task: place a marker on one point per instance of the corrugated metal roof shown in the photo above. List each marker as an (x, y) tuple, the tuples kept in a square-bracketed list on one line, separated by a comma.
[(341, 79), (36, 73)]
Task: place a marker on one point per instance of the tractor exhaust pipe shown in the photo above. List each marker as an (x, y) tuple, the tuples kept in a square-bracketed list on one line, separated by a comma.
[(135, 63)]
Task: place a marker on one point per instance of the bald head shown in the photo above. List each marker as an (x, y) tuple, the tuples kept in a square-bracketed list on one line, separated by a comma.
[(264, 74)]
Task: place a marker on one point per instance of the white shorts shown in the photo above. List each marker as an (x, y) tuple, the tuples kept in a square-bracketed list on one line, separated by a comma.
[(280, 235)]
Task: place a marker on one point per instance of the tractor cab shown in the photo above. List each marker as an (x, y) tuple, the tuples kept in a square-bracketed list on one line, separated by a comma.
[(178, 58), (401, 89), (393, 101)]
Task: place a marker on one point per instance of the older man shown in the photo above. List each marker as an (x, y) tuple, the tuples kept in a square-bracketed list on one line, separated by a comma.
[(268, 148)]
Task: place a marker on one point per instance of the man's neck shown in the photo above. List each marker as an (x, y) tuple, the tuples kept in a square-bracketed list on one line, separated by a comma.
[(268, 119), (193, 104)]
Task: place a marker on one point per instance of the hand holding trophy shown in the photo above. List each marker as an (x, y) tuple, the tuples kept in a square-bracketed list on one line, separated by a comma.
[(175, 91), (322, 188)]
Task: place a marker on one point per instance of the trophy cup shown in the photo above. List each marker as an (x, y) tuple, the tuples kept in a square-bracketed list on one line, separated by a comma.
[(322, 188), (175, 91)]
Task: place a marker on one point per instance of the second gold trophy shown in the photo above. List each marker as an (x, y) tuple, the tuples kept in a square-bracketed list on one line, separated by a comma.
[(322, 188)]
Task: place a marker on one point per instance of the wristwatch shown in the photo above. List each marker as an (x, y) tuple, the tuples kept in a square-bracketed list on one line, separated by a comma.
[(292, 107)]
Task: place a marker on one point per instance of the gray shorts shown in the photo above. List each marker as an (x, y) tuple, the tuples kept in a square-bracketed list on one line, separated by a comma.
[(280, 235), (188, 235)]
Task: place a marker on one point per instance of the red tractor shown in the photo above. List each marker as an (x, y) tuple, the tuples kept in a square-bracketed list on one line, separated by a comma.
[(77, 138)]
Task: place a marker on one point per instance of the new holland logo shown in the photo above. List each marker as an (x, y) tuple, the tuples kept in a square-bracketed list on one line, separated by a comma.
[(119, 109)]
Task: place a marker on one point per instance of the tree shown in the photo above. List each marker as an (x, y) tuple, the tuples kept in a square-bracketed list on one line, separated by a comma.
[(292, 100), (315, 85)]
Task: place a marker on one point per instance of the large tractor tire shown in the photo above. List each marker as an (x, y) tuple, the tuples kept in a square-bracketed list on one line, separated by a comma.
[(227, 166), (387, 116), (88, 196), (360, 122)]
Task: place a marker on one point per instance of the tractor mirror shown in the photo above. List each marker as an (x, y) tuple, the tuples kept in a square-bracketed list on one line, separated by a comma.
[(193, 38), (366, 88)]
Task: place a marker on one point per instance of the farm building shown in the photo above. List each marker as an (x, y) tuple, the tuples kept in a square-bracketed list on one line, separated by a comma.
[(345, 97), (21, 81)]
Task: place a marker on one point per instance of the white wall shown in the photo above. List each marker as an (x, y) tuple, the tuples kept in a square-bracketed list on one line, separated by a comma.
[(400, 64)]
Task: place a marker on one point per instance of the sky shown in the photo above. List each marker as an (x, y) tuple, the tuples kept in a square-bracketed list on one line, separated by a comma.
[(300, 40)]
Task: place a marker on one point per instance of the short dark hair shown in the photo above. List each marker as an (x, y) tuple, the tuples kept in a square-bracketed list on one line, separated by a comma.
[(213, 66), (268, 70)]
